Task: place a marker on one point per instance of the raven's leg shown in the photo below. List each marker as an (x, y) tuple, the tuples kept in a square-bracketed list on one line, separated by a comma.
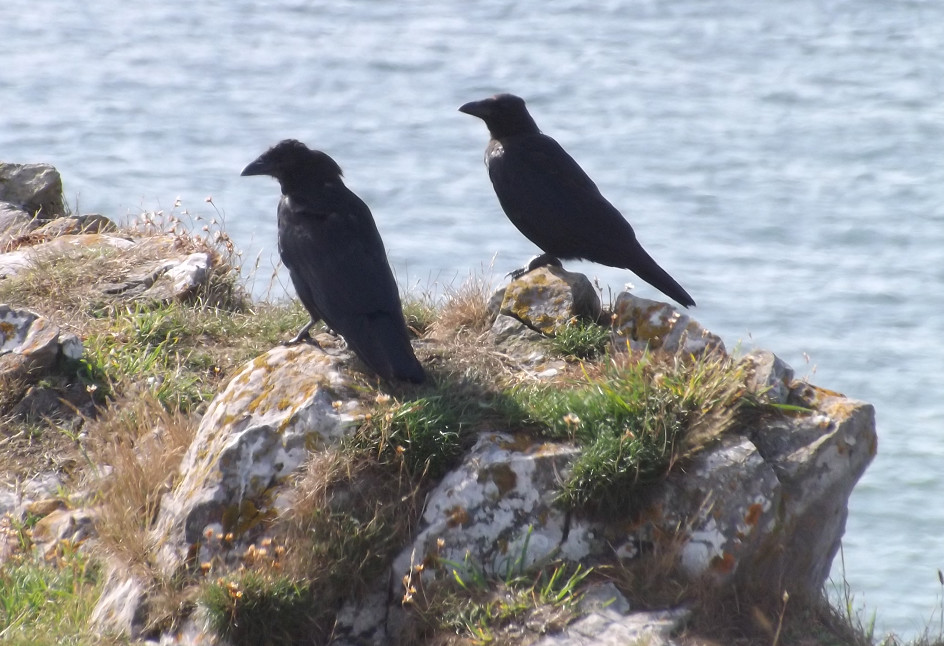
[(543, 260), (302, 334)]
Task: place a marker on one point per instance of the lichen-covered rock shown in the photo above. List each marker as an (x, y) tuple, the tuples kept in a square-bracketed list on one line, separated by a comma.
[(37, 188), (549, 297), (31, 344), (607, 627), (644, 323), (252, 438), (254, 435), (720, 509), (764, 506), (818, 458), (498, 500)]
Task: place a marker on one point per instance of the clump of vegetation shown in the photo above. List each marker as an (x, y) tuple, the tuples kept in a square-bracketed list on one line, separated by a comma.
[(468, 602), (47, 603), (635, 417), (264, 607), (581, 339)]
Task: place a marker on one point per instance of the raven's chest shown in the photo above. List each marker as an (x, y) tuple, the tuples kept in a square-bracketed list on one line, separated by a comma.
[(494, 153)]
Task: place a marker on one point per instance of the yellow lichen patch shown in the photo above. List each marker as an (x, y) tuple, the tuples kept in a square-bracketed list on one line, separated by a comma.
[(520, 442), (457, 516), (502, 475), (840, 408), (652, 324)]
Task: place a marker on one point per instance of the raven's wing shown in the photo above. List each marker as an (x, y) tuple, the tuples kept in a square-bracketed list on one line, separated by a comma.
[(555, 204), (550, 198), (337, 262)]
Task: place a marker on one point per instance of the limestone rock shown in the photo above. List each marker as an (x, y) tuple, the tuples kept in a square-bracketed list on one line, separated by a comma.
[(818, 458), (606, 627), (252, 438), (31, 344), (37, 188), (254, 435), (160, 270), (549, 297), (485, 507), (644, 323), (122, 608)]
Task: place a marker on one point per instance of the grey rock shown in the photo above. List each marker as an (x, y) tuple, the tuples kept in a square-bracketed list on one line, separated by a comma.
[(818, 459), (122, 608), (254, 435), (644, 323), (77, 224), (71, 526), (769, 376), (600, 597), (611, 629), (14, 222), (37, 188)]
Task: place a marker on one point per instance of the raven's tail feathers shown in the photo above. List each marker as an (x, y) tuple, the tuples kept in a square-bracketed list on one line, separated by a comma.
[(648, 269), (383, 343)]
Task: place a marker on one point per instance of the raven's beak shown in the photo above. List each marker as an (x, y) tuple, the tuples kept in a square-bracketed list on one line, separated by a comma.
[(258, 167), (480, 109)]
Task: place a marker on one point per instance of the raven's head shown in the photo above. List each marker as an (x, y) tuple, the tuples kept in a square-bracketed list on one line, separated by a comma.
[(504, 114), (291, 161)]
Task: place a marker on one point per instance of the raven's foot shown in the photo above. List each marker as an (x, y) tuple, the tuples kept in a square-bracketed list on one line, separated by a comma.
[(544, 260), (302, 335)]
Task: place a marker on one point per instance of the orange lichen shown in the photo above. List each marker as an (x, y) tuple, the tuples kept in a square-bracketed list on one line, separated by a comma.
[(754, 513), (724, 563), (458, 516)]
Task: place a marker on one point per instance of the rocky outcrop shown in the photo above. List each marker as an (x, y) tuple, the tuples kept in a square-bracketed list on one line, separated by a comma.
[(762, 507), (765, 505)]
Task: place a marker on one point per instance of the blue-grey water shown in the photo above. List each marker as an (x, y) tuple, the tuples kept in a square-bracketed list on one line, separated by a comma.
[(782, 160)]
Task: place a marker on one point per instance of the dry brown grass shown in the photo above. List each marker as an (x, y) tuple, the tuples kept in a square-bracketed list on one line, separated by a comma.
[(349, 514), (136, 447), (465, 309), (67, 279)]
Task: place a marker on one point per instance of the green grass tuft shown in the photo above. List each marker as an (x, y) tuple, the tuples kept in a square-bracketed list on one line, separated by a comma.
[(43, 603), (581, 339), (250, 608), (634, 421)]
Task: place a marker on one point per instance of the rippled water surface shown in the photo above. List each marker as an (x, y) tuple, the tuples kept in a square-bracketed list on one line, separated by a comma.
[(783, 162)]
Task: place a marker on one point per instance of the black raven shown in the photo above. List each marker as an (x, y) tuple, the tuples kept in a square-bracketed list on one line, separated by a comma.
[(336, 259), (553, 202)]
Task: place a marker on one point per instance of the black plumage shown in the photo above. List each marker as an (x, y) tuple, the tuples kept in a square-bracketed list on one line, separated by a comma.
[(553, 202), (334, 254)]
